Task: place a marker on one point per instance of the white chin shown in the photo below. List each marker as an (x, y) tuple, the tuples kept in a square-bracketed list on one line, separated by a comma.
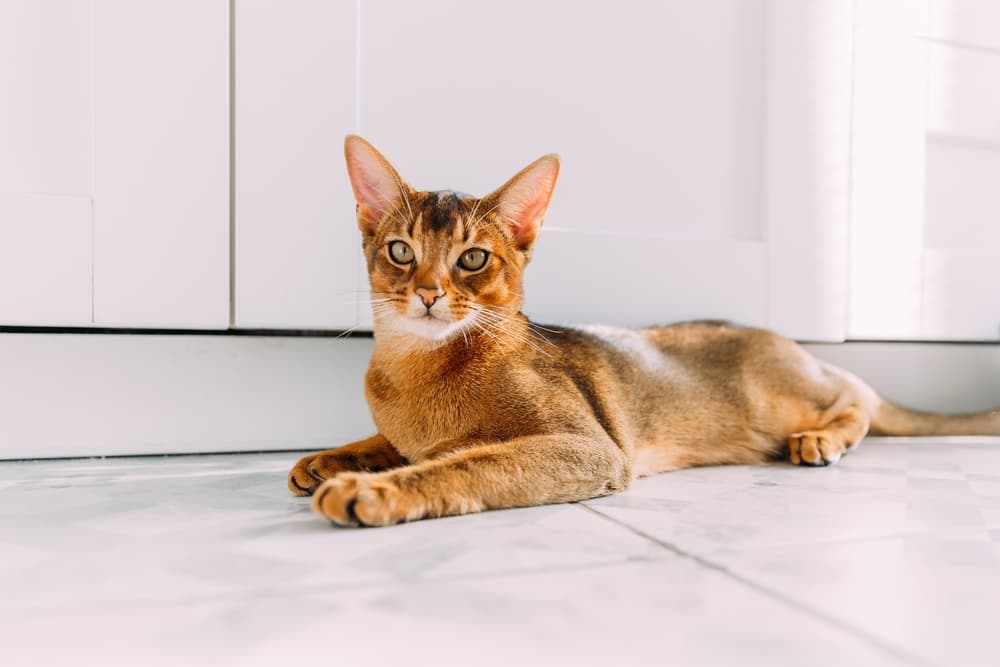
[(429, 328)]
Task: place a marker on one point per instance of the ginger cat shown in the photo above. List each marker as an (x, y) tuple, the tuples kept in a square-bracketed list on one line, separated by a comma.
[(478, 409)]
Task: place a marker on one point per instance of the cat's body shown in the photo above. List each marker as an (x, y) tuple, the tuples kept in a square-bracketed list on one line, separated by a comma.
[(477, 408)]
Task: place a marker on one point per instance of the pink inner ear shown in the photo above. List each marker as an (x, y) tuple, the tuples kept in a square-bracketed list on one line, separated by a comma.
[(526, 198), (529, 220), (371, 200), (371, 188)]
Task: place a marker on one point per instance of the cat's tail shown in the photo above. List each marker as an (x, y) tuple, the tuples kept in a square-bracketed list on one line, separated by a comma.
[(892, 419)]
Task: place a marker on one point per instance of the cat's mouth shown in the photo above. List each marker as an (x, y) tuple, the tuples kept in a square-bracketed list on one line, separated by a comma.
[(430, 326)]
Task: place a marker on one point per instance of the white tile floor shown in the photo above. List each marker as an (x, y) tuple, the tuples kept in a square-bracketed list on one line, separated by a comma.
[(890, 557)]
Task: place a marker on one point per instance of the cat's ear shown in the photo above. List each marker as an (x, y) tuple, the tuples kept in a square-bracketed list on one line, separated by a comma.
[(377, 187), (523, 200)]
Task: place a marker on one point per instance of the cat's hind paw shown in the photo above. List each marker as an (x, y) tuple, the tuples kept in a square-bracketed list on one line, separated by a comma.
[(815, 448)]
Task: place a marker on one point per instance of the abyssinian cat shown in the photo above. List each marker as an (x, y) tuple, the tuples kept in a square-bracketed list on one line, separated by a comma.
[(477, 408)]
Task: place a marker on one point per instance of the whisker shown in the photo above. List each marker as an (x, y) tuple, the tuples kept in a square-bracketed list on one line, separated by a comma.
[(506, 309), (501, 318), (493, 325)]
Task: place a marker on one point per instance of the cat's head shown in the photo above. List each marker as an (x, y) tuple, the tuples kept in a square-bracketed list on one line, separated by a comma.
[(442, 262)]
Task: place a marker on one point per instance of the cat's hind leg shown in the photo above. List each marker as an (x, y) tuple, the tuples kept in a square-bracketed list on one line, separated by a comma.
[(370, 455), (813, 410)]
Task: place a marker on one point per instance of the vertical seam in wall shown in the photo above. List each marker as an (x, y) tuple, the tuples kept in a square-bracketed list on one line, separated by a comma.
[(357, 129), (849, 251), (357, 66), (232, 163), (765, 152), (93, 159), (921, 272)]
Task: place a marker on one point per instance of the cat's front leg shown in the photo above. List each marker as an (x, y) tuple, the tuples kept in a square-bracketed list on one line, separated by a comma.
[(535, 470), (369, 455)]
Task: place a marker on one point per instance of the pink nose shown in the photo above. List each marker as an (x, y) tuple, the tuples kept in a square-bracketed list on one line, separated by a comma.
[(429, 295)]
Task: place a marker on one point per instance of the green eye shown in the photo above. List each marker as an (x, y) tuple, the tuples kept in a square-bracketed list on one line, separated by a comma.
[(400, 253), (473, 260)]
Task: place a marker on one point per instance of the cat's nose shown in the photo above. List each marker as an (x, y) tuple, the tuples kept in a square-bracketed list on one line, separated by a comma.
[(429, 295)]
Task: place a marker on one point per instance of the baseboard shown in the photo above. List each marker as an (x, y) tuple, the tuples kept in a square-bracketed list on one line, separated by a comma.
[(109, 394), (940, 377), (90, 395)]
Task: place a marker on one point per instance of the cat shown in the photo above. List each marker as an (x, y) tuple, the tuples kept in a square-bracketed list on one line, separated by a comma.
[(477, 408)]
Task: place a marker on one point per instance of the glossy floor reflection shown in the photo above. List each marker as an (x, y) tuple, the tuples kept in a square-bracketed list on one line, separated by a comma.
[(890, 557)]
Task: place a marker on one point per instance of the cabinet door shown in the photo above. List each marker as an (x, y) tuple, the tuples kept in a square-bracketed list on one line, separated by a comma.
[(926, 224), (665, 209), (114, 161), (161, 163), (45, 162), (297, 246)]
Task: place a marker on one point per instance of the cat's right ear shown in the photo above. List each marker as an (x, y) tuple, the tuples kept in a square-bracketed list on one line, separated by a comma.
[(377, 187)]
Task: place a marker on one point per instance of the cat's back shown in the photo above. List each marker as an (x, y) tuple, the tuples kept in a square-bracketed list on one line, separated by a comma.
[(670, 352)]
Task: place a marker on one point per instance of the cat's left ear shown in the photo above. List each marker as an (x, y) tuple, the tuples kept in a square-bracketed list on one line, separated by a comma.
[(523, 200)]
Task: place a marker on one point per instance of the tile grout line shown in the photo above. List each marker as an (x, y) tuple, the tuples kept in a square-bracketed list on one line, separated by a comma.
[(767, 592)]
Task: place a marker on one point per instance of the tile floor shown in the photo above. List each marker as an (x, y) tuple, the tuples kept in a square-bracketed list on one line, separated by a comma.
[(892, 557)]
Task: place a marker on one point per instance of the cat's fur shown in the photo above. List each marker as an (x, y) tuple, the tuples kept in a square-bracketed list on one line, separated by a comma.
[(477, 408)]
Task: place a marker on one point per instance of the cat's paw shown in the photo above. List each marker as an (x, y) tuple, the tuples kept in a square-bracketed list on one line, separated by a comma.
[(362, 499), (312, 470), (816, 448)]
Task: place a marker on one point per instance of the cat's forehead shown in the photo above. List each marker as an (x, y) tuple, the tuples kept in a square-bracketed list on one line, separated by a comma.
[(441, 210), (443, 213)]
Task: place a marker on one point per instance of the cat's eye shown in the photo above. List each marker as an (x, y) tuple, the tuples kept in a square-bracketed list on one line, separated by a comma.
[(473, 260), (400, 253)]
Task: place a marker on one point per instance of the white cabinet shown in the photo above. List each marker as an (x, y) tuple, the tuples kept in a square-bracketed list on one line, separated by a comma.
[(161, 163), (114, 163), (657, 213), (45, 162), (297, 249), (45, 262), (672, 121), (926, 223), (820, 167)]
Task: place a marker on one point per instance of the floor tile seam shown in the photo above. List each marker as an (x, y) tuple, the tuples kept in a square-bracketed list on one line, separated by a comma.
[(796, 605), (272, 593)]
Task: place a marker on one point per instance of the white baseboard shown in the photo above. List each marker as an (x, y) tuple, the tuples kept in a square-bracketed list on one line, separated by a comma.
[(110, 394), (96, 394), (941, 377)]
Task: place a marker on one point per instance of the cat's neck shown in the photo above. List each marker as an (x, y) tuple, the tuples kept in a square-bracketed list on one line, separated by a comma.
[(468, 352)]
